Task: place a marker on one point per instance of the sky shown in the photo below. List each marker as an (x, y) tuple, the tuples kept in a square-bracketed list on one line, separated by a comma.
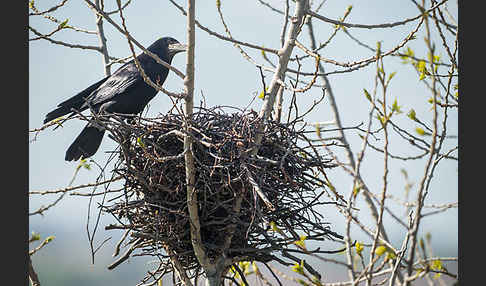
[(224, 77)]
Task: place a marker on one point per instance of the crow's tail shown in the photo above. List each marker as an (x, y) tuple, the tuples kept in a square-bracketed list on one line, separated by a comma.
[(58, 112), (86, 144)]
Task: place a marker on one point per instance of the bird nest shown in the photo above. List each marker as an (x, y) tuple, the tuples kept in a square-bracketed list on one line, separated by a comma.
[(249, 205)]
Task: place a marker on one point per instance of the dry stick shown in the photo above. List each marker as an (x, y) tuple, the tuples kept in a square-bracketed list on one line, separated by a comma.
[(385, 25), (286, 22), (125, 256), (64, 190), (42, 209), (243, 53), (385, 173), (52, 9), (179, 269), (257, 189), (278, 106), (279, 99), (349, 153), (84, 47), (284, 56), (165, 270), (221, 36), (101, 36), (277, 112), (154, 56), (137, 63), (246, 56), (118, 245), (368, 199), (34, 279), (444, 43), (118, 10), (402, 253), (59, 28), (421, 195), (361, 63), (445, 117), (51, 18), (336, 29), (211, 269)]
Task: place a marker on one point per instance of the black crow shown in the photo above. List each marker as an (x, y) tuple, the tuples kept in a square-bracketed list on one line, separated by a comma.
[(124, 92)]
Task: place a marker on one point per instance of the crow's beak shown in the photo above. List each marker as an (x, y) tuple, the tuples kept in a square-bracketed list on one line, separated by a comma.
[(177, 48)]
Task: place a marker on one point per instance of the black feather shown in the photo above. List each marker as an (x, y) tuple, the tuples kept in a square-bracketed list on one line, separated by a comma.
[(123, 92)]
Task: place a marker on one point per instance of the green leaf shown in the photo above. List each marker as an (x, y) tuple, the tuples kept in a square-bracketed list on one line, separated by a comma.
[(420, 131), (301, 242), (275, 228), (390, 254), (255, 267), (378, 47), (63, 24), (140, 142), (49, 239), (356, 189), (422, 68), (431, 100), (382, 119), (84, 164), (331, 186), (411, 114), (391, 76), (436, 265), (57, 121), (299, 268), (422, 76), (409, 53), (245, 267), (35, 236), (234, 272), (359, 248), (262, 94), (303, 154), (380, 250), (396, 107), (367, 94)]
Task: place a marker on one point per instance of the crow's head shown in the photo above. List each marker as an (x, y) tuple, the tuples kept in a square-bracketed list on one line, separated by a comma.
[(167, 47)]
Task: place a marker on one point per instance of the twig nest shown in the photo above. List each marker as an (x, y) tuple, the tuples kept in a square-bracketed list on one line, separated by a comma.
[(248, 205)]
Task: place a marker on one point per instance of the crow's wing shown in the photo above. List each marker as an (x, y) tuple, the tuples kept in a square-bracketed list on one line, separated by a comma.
[(75, 102), (119, 82)]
